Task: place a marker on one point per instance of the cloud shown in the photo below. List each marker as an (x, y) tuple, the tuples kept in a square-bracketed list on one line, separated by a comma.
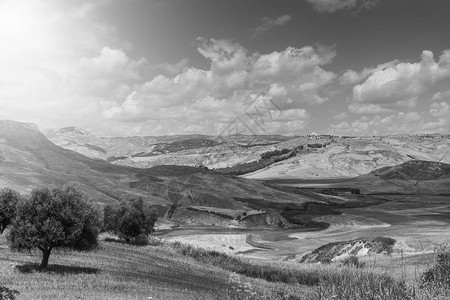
[(264, 92), (74, 69), (351, 77), (170, 69), (269, 23), (295, 74), (112, 64), (396, 85), (441, 96), (398, 123), (368, 109), (340, 117), (330, 6), (60, 65), (440, 109), (441, 117)]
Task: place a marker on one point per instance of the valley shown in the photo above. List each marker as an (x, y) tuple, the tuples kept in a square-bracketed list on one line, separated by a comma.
[(327, 203), (321, 156)]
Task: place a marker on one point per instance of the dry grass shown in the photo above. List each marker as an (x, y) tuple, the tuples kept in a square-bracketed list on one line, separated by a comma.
[(163, 271), (115, 271)]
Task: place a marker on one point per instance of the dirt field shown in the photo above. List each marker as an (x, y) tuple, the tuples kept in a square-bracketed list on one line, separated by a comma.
[(419, 223)]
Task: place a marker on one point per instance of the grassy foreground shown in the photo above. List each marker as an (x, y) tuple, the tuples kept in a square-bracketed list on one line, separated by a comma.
[(176, 271), (114, 271)]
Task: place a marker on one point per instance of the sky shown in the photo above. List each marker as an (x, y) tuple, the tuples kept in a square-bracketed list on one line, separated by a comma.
[(290, 67)]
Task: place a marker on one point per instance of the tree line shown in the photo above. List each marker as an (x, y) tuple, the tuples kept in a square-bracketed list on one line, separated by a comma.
[(62, 217), (267, 158)]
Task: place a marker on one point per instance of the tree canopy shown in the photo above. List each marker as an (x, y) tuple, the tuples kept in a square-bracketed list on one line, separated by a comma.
[(8, 201), (130, 220), (54, 217)]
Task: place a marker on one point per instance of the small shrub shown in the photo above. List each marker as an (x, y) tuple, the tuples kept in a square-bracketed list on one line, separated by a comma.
[(352, 261), (439, 274), (8, 201), (362, 285), (8, 294), (130, 220), (154, 241), (241, 290), (234, 264), (140, 240)]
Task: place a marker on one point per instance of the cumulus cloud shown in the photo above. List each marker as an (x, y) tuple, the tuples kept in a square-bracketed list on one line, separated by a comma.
[(396, 85), (340, 117), (59, 64), (438, 121), (351, 77), (73, 69), (266, 93), (169, 69), (440, 109), (398, 123), (368, 109), (330, 6), (441, 96), (269, 23)]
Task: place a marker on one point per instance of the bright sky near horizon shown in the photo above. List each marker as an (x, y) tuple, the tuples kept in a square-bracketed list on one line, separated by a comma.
[(292, 67)]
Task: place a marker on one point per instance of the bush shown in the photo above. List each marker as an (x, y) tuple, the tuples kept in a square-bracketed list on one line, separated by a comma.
[(439, 274), (130, 220), (8, 294), (8, 201), (234, 264), (362, 285), (154, 241), (352, 261), (53, 218)]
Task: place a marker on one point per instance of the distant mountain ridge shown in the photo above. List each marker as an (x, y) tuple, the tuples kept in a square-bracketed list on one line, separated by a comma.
[(415, 170), (71, 131), (28, 159), (324, 155), (148, 151)]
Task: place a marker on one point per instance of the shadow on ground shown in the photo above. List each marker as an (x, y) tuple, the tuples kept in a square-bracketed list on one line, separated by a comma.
[(60, 269)]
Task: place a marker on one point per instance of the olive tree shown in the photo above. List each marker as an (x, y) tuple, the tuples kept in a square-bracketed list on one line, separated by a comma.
[(130, 220), (8, 201), (53, 217)]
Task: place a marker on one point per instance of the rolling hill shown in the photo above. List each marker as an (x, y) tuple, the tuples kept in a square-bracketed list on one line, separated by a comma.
[(29, 159), (148, 151), (322, 156), (414, 177), (415, 170)]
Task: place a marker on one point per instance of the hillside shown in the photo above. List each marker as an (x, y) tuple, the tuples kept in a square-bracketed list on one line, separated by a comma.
[(414, 177), (415, 170), (321, 157), (148, 151), (358, 247), (354, 156), (28, 159), (144, 273)]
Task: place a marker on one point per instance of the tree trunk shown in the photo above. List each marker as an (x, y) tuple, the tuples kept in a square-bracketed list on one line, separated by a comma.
[(45, 256)]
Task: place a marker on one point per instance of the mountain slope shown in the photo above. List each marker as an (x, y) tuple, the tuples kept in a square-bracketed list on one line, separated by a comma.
[(411, 177), (354, 156), (28, 159), (415, 170), (323, 156), (148, 151)]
